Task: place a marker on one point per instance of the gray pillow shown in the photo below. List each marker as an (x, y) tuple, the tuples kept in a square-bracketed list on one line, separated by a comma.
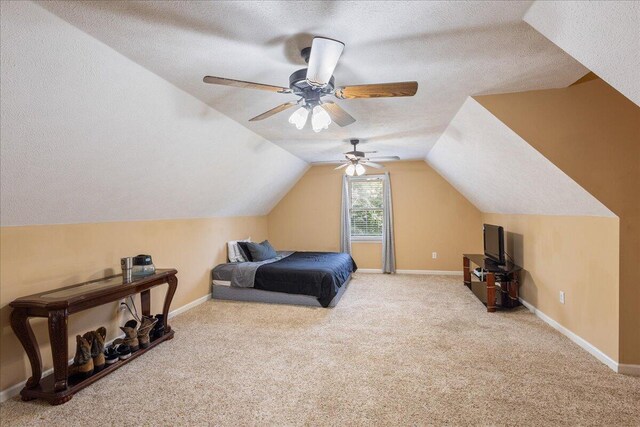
[(261, 251)]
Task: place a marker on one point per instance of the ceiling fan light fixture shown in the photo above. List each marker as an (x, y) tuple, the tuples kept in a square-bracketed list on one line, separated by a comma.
[(350, 170), (360, 169), (299, 117), (320, 119)]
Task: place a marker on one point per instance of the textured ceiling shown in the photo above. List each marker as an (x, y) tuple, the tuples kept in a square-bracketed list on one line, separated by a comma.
[(603, 35), (90, 136), (453, 49), (499, 172)]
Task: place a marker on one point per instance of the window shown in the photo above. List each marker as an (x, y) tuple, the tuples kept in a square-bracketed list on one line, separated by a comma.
[(367, 208)]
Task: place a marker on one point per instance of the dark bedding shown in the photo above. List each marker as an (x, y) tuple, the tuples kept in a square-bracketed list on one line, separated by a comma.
[(319, 274)]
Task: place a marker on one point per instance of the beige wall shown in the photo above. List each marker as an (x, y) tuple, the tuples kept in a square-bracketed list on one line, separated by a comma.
[(429, 216), (37, 258), (577, 255), (591, 132)]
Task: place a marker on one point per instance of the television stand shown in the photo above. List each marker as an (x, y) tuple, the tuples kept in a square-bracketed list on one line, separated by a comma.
[(504, 277)]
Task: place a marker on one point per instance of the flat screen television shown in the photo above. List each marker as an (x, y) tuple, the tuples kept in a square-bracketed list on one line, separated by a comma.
[(494, 242)]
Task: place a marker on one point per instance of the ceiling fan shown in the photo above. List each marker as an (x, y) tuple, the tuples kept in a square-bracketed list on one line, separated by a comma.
[(355, 160), (316, 81)]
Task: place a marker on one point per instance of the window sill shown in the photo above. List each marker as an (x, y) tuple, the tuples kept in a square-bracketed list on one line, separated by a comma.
[(366, 240)]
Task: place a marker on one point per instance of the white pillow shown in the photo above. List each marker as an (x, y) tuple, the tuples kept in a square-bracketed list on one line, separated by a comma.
[(233, 251)]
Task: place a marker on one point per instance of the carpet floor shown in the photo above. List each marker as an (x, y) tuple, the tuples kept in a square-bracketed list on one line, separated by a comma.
[(397, 350)]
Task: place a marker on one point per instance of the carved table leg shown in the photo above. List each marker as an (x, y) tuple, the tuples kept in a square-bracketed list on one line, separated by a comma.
[(466, 272), (59, 347), (145, 302), (172, 281), (22, 329), (491, 292)]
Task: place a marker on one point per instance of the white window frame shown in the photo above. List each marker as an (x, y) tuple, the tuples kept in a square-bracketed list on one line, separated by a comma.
[(366, 239)]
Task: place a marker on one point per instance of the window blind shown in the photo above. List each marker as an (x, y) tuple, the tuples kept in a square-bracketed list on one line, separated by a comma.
[(367, 207)]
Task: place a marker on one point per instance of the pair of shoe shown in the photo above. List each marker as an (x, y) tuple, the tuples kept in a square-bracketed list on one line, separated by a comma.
[(89, 357), (116, 352), (136, 337)]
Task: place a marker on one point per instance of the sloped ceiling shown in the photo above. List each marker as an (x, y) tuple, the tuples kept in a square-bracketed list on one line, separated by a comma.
[(499, 172), (453, 49), (602, 35), (90, 136)]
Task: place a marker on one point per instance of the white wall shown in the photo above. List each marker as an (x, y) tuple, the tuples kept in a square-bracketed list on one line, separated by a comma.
[(89, 136), (603, 35)]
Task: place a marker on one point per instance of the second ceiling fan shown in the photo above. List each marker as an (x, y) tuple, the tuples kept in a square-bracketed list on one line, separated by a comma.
[(355, 160), (316, 81)]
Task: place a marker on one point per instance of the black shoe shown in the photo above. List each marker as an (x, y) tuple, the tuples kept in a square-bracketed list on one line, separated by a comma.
[(124, 352), (158, 329), (111, 355)]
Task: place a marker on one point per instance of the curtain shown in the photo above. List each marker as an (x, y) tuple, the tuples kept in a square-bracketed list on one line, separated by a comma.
[(388, 247), (345, 218)]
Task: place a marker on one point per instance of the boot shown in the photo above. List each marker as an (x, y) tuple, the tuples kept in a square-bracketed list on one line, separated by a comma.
[(143, 331), (82, 362), (97, 347), (131, 336)]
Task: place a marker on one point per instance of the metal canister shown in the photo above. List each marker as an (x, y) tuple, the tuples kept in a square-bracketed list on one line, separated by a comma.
[(127, 268)]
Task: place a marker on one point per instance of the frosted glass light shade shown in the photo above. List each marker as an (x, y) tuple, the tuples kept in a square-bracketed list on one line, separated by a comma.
[(360, 169), (323, 60), (299, 117), (320, 119), (350, 170)]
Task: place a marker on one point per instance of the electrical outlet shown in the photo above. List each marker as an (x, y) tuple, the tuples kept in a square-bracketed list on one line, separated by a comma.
[(434, 255), (561, 297)]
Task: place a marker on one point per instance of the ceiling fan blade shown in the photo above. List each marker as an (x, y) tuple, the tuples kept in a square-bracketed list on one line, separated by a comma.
[(273, 111), (323, 60), (327, 162), (373, 165), (350, 156), (385, 158), (337, 114), (380, 90), (245, 85), (342, 166)]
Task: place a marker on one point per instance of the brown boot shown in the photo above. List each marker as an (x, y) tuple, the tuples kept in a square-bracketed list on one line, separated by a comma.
[(82, 362), (143, 331), (97, 338), (131, 335)]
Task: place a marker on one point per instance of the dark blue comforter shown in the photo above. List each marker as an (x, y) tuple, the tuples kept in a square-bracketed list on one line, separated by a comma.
[(319, 274)]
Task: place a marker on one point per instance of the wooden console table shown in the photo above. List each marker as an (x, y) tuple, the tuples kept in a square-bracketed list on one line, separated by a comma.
[(57, 305), (506, 274)]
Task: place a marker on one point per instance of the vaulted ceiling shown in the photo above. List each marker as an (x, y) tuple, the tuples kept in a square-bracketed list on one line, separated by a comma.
[(105, 116), (499, 172), (453, 49), (602, 35)]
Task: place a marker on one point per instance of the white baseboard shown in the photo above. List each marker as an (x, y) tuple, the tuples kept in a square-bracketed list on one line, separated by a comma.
[(425, 272), (14, 390), (189, 306), (586, 345)]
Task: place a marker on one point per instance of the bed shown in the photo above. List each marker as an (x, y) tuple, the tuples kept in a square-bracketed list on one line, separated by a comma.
[(305, 278)]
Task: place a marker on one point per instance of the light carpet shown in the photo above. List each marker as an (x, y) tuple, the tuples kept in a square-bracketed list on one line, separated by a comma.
[(397, 350)]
